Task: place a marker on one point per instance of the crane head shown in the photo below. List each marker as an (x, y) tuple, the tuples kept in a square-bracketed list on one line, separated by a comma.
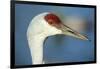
[(48, 24), (58, 27)]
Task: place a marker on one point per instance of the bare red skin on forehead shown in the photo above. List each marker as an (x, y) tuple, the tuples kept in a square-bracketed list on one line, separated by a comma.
[(53, 20)]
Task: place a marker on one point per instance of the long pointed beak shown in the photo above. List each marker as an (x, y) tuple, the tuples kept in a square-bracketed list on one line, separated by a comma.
[(68, 31)]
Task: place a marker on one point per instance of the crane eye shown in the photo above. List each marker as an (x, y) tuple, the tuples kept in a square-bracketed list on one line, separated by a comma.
[(50, 22)]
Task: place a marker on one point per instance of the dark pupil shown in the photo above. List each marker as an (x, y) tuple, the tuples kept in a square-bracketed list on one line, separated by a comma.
[(50, 21)]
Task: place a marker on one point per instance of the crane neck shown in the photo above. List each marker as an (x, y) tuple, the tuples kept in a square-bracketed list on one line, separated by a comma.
[(36, 48)]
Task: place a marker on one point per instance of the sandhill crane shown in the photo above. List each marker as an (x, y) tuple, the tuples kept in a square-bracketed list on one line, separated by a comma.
[(44, 25)]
